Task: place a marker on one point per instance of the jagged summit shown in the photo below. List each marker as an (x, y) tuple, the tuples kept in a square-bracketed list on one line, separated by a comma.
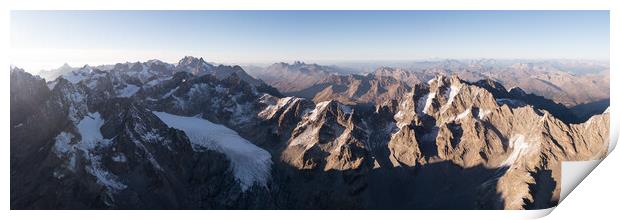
[(515, 97), (221, 139), (191, 59), (193, 65)]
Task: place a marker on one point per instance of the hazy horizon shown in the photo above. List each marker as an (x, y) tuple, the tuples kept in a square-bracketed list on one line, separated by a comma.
[(42, 40), (360, 64)]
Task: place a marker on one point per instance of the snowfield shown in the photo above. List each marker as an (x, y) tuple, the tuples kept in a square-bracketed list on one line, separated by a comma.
[(250, 163), (90, 133), (89, 130)]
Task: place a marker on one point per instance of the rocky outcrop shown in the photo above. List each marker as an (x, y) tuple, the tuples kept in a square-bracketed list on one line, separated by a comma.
[(454, 123), (99, 150), (104, 140)]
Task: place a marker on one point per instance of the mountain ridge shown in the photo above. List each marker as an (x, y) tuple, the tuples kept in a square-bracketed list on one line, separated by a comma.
[(102, 141)]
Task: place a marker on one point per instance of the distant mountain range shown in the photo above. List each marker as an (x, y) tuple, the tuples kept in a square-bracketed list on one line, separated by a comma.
[(194, 135), (567, 82)]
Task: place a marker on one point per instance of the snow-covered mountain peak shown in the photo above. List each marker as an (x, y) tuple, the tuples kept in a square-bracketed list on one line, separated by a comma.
[(193, 65)]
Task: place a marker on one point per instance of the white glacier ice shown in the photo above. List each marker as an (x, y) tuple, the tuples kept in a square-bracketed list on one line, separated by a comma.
[(250, 163), (89, 130)]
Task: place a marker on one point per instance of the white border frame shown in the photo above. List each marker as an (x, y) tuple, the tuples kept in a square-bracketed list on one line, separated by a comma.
[(606, 174)]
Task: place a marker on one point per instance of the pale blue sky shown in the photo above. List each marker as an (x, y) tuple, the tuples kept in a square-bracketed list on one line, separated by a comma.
[(40, 38)]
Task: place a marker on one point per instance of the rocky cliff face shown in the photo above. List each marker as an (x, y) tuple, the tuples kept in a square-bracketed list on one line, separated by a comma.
[(157, 136), (447, 126)]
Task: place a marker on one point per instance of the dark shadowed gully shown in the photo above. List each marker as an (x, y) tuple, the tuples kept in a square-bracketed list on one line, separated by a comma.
[(194, 135)]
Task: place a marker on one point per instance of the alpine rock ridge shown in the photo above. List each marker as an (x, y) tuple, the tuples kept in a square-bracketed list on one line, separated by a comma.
[(194, 135)]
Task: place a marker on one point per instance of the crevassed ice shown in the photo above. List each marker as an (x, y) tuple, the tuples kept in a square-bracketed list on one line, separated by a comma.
[(250, 163)]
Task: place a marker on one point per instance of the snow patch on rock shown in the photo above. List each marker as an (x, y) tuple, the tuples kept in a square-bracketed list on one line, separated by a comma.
[(483, 112), (62, 144), (519, 147), (307, 138), (463, 114), (452, 92), (169, 93), (427, 100), (128, 91), (51, 85), (77, 105), (271, 109), (104, 177), (74, 78), (316, 112), (90, 133)]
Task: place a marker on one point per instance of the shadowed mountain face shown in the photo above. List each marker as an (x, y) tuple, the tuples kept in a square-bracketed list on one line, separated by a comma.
[(198, 136)]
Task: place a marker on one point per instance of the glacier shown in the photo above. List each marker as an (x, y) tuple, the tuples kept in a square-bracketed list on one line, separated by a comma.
[(250, 163)]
